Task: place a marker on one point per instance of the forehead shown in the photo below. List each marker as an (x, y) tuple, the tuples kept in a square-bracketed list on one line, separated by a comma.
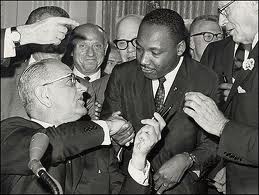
[(207, 26), (89, 33), (153, 35), (128, 28)]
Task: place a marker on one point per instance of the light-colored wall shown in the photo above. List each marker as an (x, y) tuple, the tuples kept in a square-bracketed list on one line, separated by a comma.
[(15, 13)]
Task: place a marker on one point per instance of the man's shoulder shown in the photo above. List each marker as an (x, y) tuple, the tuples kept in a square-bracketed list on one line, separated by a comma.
[(220, 45), (126, 66)]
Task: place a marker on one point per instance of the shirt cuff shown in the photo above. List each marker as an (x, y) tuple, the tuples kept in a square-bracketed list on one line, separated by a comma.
[(9, 47), (140, 177), (103, 124)]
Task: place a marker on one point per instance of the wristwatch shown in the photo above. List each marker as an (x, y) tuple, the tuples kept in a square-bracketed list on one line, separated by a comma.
[(16, 36)]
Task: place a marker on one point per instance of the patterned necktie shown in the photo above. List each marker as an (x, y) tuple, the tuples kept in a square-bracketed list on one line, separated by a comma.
[(160, 94)]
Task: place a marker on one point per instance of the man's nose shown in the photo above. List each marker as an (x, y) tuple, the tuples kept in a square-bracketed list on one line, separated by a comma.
[(90, 51), (144, 59), (131, 48)]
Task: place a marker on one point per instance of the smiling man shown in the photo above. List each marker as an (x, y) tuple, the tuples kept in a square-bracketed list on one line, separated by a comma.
[(156, 80)]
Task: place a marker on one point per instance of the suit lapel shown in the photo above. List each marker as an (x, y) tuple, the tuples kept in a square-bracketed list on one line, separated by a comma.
[(175, 97), (227, 61), (241, 77)]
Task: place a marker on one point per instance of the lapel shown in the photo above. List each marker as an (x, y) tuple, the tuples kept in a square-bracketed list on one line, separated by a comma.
[(242, 77), (144, 93), (77, 171), (226, 62), (175, 97)]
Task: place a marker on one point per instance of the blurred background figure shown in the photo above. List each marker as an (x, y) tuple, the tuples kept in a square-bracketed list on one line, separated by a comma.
[(203, 30), (126, 34), (114, 58)]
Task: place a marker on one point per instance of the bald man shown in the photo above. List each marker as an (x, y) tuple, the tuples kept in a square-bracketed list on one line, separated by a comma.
[(126, 33)]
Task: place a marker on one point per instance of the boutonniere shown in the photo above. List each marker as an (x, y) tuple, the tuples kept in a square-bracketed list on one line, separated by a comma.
[(248, 64)]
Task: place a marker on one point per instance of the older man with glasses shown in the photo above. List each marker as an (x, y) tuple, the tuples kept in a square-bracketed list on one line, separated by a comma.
[(126, 34), (237, 128), (203, 30), (78, 156)]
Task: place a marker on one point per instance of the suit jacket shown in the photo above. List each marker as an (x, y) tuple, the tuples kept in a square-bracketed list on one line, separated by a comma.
[(11, 104), (129, 91), (74, 147), (239, 141), (99, 87)]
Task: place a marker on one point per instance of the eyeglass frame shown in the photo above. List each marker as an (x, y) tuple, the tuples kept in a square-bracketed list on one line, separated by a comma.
[(222, 10), (127, 41), (214, 35), (72, 75)]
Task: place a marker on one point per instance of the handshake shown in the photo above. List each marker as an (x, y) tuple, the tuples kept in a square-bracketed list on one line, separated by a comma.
[(123, 133)]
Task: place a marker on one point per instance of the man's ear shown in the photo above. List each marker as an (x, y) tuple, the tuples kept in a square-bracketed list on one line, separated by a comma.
[(192, 45), (181, 48), (42, 95)]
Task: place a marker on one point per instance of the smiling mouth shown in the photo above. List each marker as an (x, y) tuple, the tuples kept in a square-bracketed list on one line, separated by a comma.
[(147, 70)]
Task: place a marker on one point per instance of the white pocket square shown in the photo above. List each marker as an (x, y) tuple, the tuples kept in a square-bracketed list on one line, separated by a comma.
[(240, 90)]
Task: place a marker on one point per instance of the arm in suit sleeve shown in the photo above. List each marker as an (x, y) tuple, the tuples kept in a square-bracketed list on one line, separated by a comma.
[(112, 101), (241, 147), (66, 141)]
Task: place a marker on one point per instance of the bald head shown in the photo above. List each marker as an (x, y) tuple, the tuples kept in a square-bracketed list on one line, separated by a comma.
[(127, 29)]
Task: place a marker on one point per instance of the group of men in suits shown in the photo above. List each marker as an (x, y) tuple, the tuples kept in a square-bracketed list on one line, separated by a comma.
[(197, 134)]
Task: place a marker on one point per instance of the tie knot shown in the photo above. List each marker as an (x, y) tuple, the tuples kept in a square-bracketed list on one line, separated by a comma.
[(162, 80), (87, 78)]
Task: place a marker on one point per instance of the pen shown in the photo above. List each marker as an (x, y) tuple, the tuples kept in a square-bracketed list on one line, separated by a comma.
[(224, 78), (163, 114)]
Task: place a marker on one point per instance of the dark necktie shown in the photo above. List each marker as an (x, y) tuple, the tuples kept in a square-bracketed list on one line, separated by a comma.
[(160, 94), (87, 78), (239, 58)]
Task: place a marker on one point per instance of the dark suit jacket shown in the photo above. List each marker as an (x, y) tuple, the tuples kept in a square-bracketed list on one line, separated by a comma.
[(11, 104), (74, 147), (99, 87), (239, 140), (129, 91)]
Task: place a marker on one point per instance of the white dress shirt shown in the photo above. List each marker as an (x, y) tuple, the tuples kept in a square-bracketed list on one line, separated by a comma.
[(92, 77), (169, 79)]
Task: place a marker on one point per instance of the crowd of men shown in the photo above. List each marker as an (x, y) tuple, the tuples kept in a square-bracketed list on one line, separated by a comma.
[(161, 109)]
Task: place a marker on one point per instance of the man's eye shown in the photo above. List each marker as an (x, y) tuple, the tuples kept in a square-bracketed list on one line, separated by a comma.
[(98, 46), (156, 52)]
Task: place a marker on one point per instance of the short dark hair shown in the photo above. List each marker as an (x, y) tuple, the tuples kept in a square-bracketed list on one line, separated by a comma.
[(169, 18), (36, 14), (197, 20)]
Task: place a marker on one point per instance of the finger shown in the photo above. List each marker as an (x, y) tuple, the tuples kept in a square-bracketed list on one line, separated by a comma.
[(153, 123), (162, 188), (225, 86), (226, 93), (57, 42), (195, 94), (160, 120), (117, 113), (158, 183), (122, 140), (190, 112), (62, 29), (66, 21)]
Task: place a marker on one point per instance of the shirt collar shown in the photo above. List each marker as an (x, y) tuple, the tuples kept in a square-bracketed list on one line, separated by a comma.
[(43, 124), (31, 60), (92, 77), (171, 75)]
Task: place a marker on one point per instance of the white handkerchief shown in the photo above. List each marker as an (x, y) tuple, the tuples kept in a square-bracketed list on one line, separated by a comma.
[(240, 90)]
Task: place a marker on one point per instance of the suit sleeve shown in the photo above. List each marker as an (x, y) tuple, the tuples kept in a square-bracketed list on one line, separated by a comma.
[(244, 148), (206, 57), (112, 101), (66, 141)]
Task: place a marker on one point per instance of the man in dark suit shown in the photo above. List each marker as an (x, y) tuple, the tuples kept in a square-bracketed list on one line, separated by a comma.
[(238, 127), (180, 158), (53, 98)]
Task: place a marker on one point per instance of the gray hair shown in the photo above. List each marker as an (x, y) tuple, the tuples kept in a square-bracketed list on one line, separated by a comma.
[(202, 18), (35, 75)]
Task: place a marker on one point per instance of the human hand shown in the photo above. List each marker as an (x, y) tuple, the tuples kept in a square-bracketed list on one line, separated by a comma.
[(226, 87), (205, 112), (171, 172), (220, 180), (51, 30), (146, 138)]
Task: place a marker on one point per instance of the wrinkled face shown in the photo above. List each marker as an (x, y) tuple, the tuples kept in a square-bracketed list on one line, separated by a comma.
[(128, 30), (156, 50), (66, 95), (238, 20), (199, 42), (88, 53), (113, 59)]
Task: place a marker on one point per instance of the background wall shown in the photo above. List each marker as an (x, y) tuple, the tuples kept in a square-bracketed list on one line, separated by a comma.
[(103, 13)]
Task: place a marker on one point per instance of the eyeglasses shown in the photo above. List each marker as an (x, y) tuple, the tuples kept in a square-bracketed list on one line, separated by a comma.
[(123, 44), (223, 9), (208, 36), (73, 79)]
